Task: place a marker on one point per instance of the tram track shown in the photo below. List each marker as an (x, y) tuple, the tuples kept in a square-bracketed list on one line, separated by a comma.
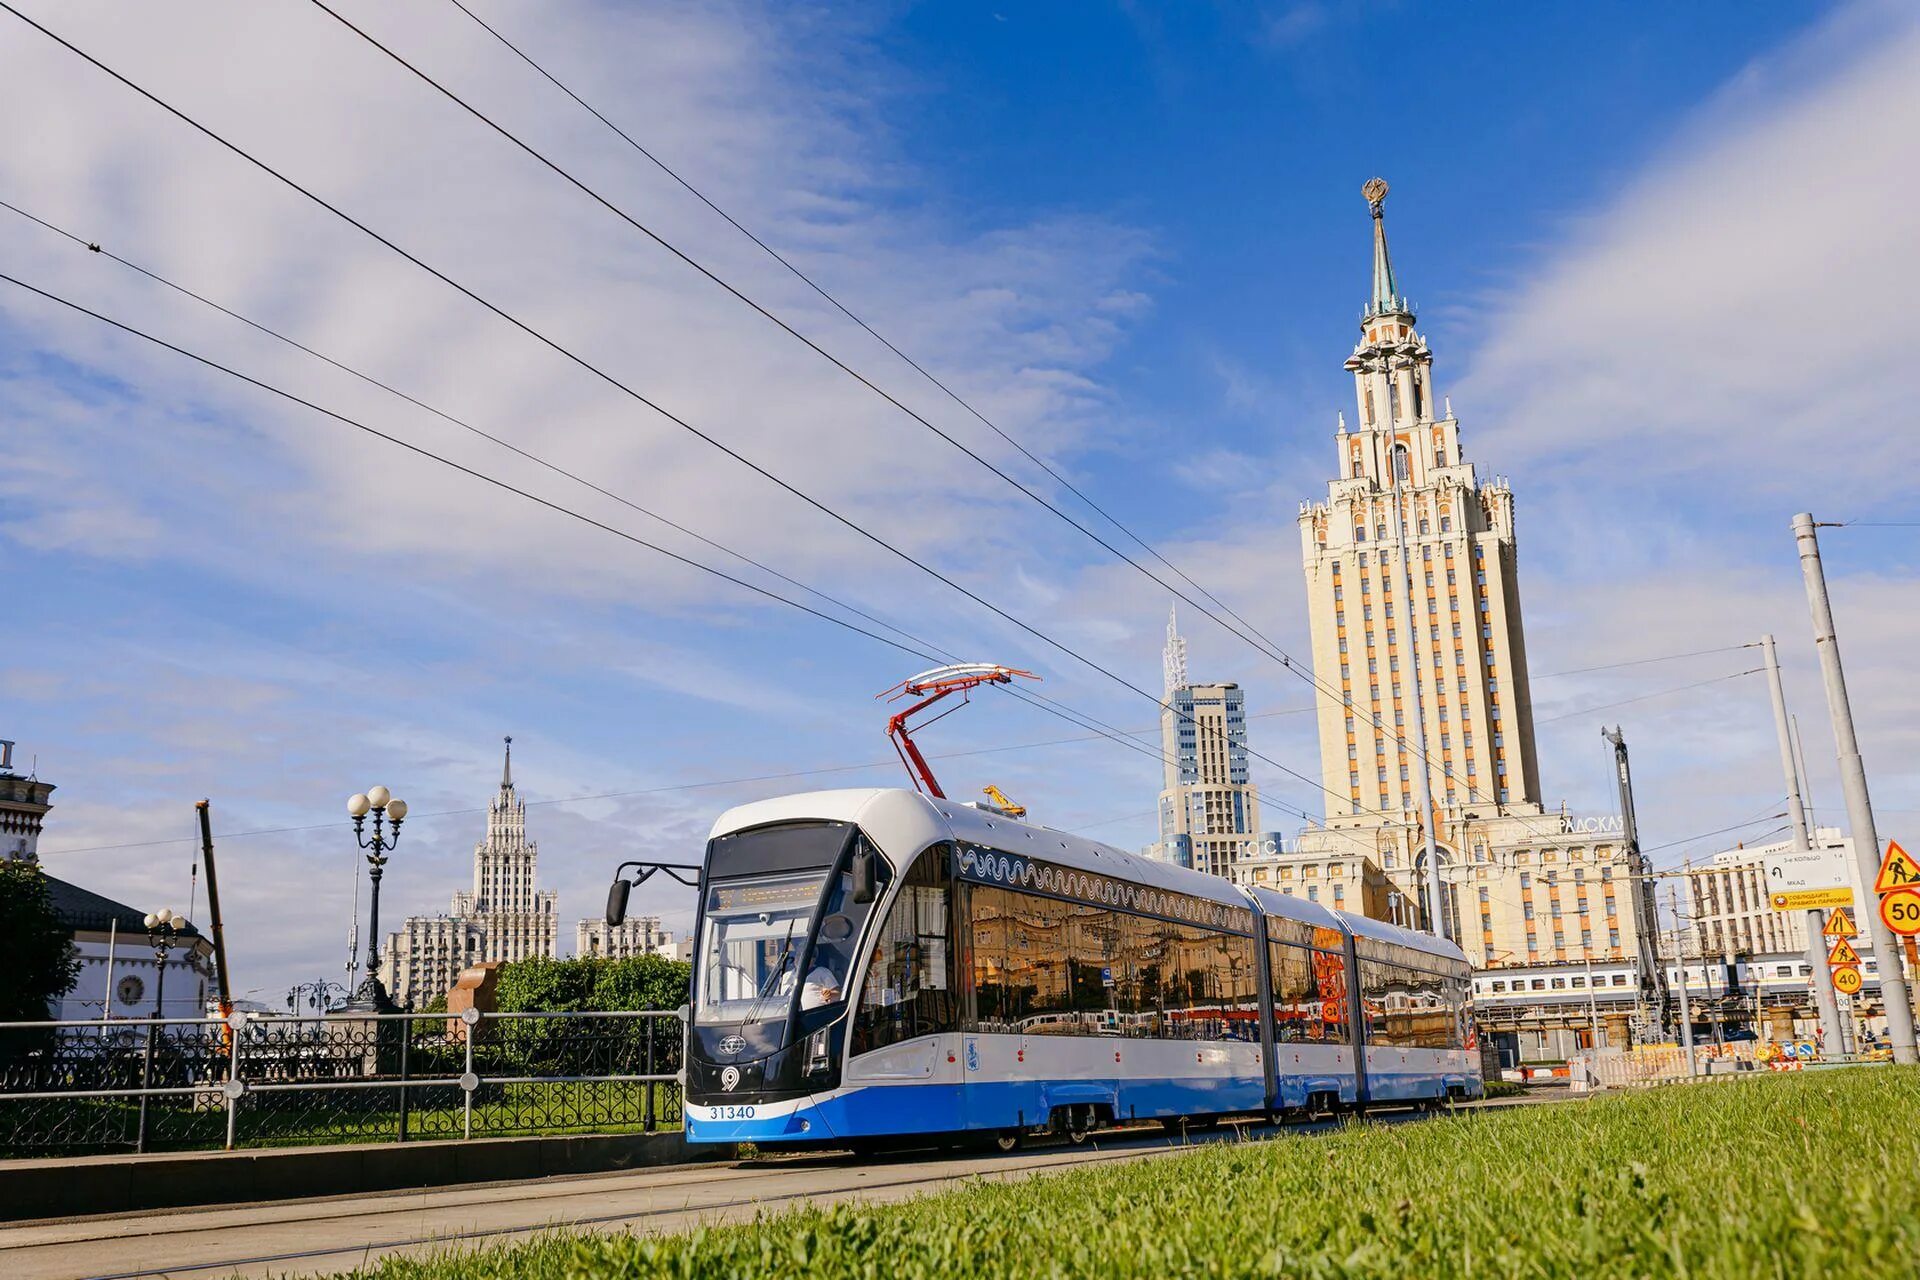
[(279, 1238)]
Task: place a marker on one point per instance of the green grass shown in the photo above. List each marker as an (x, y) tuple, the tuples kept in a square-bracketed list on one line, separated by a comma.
[(1786, 1176), (1504, 1089)]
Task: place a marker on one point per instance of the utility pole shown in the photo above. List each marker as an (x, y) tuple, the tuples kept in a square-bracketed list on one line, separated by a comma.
[(1802, 842), (1853, 780), (1680, 955)]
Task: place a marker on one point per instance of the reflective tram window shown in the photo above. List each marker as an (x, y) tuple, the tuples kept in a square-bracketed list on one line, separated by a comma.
[(1409, 1007), (1043, 966), (1310, 1000), (908, 989)]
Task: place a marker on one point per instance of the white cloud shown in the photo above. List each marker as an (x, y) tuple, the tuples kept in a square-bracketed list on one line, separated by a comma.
[(1734, 314), (1021, 315)]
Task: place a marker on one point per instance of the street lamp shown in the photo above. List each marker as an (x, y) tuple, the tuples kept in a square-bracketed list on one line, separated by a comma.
[(385, 808), (321, 996), (163, 926)]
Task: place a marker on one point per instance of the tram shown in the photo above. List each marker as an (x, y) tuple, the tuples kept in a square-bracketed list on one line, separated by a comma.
[(878, 964)]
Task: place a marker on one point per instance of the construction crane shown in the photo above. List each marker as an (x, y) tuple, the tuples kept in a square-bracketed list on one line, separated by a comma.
[(930, 687)]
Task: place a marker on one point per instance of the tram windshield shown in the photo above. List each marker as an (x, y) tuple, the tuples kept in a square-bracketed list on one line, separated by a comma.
[(754, 934)]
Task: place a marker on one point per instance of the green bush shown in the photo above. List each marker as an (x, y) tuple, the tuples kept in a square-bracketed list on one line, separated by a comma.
[(593, 983)]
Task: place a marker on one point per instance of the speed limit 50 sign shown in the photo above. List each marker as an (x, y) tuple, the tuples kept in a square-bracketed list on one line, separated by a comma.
[(1901, 911)]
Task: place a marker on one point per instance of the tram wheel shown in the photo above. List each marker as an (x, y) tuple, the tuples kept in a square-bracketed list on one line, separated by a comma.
[(1008, 1141)]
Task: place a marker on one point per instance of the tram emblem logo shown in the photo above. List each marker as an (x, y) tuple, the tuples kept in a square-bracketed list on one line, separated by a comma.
[(732, 1045), (730, 1079), (973, 1056)]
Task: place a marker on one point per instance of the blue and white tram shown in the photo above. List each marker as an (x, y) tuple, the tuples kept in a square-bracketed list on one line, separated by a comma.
[(874, 964)]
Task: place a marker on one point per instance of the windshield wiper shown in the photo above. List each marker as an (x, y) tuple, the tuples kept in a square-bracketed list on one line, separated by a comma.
[(779, 967)]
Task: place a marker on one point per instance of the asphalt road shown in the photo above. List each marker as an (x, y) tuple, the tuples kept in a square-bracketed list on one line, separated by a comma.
[(322, 1236)]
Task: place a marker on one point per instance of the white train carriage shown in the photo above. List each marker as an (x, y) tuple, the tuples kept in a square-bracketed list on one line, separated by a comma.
[(876, 964)]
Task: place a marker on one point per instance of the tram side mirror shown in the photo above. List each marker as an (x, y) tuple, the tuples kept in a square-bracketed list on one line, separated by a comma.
[(617, 900), (863, 875)]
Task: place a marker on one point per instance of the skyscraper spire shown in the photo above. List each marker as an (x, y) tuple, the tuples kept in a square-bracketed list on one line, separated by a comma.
[(1386, 300), (506, 770), (1173, 659)]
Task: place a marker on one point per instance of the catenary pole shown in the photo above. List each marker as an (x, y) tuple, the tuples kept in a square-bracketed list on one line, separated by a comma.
[(1680, 955), (1823, 995), (1853, 781)]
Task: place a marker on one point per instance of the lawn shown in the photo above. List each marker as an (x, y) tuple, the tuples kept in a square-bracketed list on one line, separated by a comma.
[(1807, 1175)]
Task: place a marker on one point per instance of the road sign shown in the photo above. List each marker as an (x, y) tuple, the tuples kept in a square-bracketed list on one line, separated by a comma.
[(1846, 980), (1842, 952), (1840, 925), (1898, 870), (1808, 899), (1797, 869), (1901, 911)]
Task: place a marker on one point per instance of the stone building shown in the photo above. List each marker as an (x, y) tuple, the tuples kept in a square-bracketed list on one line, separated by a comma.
[(504, 917), (634, 936), (1351, 882), (1420, 661)]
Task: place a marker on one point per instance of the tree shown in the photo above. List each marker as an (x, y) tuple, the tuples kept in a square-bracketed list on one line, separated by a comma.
[(41, 964), (593, 983)]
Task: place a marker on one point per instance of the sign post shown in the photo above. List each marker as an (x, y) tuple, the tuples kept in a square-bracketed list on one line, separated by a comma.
[(1898, 884)]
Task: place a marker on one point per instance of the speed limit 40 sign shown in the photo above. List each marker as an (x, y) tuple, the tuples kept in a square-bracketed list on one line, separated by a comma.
[(1901, 911)]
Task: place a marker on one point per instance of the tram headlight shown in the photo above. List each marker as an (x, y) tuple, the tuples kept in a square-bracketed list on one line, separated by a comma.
[(817, 1051)]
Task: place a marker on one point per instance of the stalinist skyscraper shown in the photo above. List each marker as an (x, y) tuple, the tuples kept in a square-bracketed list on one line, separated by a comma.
[(1458, 638), (504, 918)]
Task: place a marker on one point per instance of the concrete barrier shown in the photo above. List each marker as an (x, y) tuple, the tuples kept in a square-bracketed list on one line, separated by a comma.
[(85, 1185)]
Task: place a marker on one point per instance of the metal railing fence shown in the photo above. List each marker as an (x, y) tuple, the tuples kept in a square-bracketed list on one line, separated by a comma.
[(251, 1081)]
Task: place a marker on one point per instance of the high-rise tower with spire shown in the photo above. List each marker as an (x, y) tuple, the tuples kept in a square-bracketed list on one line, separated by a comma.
[(1421, 661), (505, 917), (1454, 653), (1209, 809)]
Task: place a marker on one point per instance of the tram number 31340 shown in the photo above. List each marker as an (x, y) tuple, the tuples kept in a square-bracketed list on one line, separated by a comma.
[(733, 1113)]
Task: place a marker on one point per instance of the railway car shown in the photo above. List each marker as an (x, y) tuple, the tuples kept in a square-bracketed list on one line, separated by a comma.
[(878, 965)]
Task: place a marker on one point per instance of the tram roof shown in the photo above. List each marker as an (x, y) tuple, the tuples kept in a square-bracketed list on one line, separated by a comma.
[(1381, 931), (1288, 907), (903, 822)]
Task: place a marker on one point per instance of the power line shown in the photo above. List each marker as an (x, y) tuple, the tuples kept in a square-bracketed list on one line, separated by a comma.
[(1278, 655), (610, 380), (96, 248), (1641, 662), (1284, 658), (1076, 717), (1039, 701), (424, 452), (841, 307), (1260, 643), (1658, 693)]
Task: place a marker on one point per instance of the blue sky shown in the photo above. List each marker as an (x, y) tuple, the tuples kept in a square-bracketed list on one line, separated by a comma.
[(1654, 255)]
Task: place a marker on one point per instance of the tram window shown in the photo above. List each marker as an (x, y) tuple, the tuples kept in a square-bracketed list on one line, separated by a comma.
[(1309, 995), (908, 989)]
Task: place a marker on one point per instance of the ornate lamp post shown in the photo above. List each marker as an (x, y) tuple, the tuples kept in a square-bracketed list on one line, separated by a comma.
[(163, 926), (385, 809), (321, 996)]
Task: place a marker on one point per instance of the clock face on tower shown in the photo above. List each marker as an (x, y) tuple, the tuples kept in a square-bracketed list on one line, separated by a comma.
[(130, 990)]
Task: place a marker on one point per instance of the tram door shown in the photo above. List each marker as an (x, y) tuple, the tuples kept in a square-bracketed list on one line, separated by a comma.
[(905, 1029)]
